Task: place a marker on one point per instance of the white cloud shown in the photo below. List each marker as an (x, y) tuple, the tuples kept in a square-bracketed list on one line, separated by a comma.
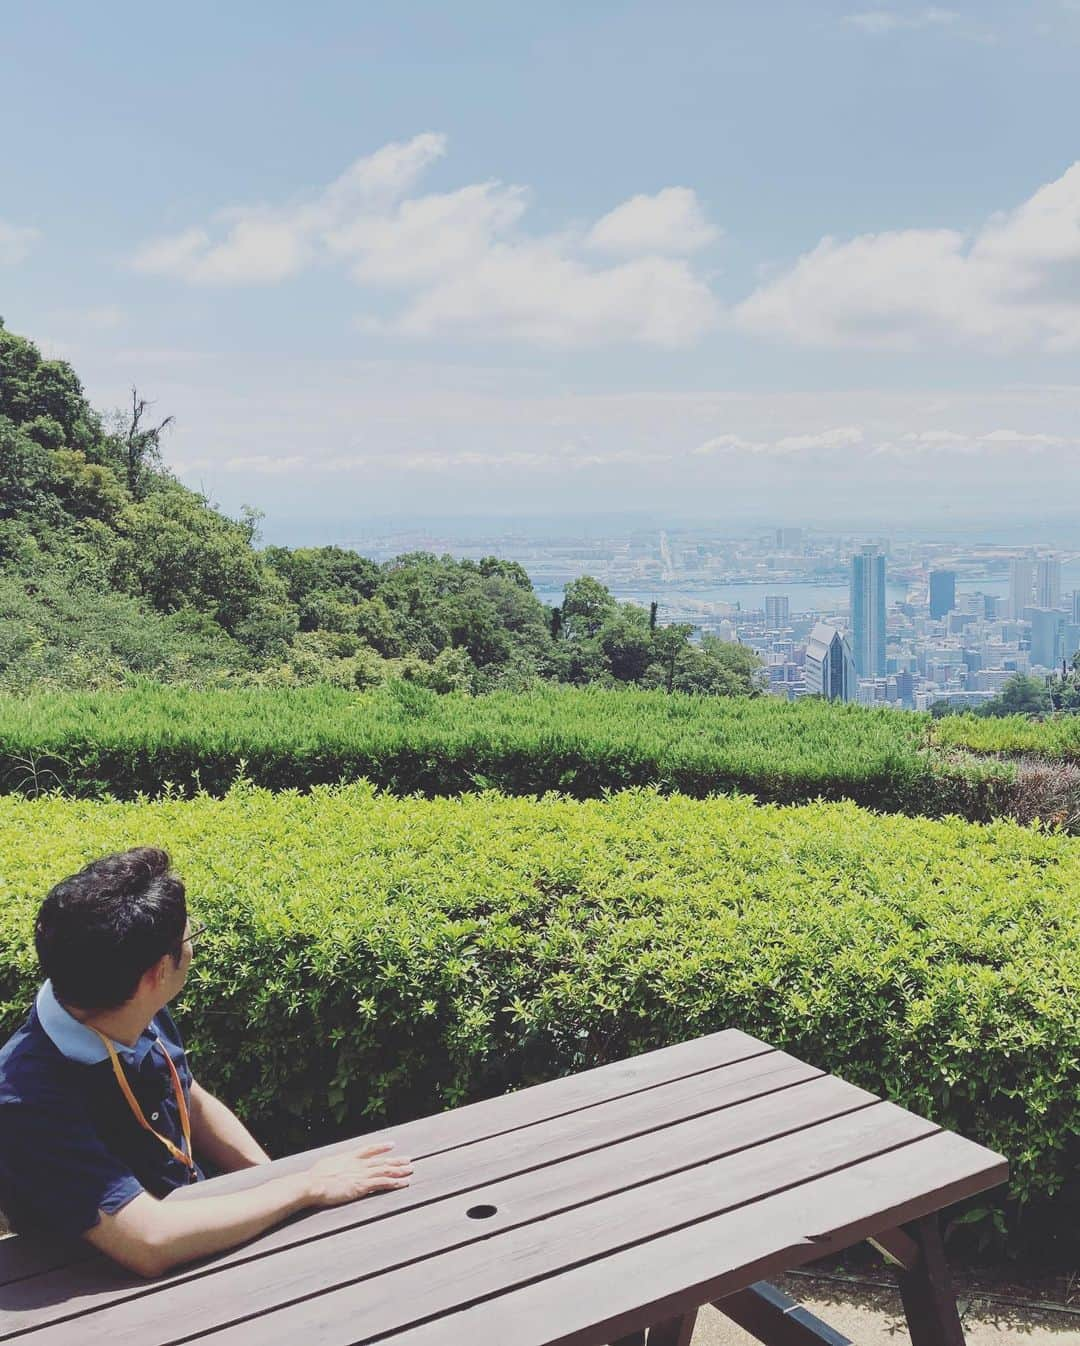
[(534, 292), (843, 436), (1020, 437), (262, 243), (728, 444), (16, 242), (1014, 282), (672, 221), (889, 20), (934, 437), (461, 259)]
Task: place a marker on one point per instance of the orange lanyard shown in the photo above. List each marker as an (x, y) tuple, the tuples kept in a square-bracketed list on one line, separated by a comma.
[(133, 1103)]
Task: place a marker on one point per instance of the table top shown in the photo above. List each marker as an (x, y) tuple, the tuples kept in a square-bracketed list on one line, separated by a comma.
[(572, 1212)]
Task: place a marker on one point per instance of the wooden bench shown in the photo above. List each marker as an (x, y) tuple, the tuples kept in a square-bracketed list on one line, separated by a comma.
[(604, 1207)]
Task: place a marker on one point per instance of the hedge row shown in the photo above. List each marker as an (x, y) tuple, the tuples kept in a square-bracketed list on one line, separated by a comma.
[(408, 740), (1056, 739), (370, 958)]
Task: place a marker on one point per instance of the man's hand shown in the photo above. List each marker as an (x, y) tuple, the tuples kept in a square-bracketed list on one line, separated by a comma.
[(151, 1236), (346, 1177)]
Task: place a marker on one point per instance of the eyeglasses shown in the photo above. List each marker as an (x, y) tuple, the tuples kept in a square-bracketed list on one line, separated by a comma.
[(195, 933)]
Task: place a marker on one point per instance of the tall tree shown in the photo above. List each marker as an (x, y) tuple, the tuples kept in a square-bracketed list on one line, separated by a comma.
[(141, 445)]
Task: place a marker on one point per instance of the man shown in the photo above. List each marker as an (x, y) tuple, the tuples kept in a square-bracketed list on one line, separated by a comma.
[(100, 1116)]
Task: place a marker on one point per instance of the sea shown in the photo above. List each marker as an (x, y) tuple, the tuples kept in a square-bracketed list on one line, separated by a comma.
[(824, 598)]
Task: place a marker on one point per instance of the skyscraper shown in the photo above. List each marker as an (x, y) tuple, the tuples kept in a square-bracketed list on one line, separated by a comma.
[(1048, 637), (1048, 583), (868, 612), (1076, 607), (942, 593), (777, 611), (1021, 585), (830, 669)]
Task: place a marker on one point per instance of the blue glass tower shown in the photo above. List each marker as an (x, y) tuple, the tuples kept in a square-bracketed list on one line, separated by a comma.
[(868, 612), (942, 592)]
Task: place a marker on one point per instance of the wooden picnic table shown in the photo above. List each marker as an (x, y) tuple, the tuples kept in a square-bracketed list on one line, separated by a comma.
[(604, 1207)]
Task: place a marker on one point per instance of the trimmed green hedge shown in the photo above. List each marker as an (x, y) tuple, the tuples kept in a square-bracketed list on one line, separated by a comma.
[(1056, 739), (408, 740), (373, 958)]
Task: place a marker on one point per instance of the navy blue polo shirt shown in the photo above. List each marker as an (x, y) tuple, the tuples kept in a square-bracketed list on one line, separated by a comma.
[(69, 1143)]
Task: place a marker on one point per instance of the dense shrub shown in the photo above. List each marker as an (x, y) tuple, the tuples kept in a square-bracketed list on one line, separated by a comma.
[(1057, 738), (406, 739), (370, 958)]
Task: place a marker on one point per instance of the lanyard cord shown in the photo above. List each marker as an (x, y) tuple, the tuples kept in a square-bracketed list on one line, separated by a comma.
[(133, 1104)]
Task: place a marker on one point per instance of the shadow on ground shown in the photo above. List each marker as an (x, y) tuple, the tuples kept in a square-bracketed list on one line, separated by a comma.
[(872, 1315)]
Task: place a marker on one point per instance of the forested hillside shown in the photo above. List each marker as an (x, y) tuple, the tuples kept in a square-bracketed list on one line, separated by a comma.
[(110, 568)]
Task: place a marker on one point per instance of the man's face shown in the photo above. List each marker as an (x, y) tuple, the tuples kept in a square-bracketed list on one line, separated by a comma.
[(176, 973)]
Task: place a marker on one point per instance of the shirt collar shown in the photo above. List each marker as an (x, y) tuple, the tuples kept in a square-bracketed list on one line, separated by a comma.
[(78, 1042)]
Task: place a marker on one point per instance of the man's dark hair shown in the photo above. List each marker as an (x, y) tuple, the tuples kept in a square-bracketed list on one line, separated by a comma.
[(98, 931)]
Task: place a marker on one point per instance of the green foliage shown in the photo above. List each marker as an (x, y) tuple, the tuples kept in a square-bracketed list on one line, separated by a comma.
[(179, 554), (56, 634), (583, 742), (1056, 737), (371, 958), (1064, 687), (1021, 695), (89, 520), (91, 507)]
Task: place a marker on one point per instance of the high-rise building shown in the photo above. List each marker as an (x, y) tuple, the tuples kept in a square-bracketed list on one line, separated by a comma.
[(1076, 607), (1021, 585), (830, 669), (777, 611), (1047, 636), (868, 612), (942, 593), (1048, 583), (789, 539)]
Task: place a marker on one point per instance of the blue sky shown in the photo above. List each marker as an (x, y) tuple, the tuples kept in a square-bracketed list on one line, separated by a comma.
[(814, 262)]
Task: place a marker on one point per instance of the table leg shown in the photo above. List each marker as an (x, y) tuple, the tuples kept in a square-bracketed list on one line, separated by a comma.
[(673, 1331), (927, 1291)]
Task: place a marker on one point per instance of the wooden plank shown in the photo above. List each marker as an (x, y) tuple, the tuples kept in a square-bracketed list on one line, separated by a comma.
[(25, 1256), (777, 1319), (538, 1103), (227, 1289), (927, 1292), (450, 1172), (374, 1305), (609, 1296)]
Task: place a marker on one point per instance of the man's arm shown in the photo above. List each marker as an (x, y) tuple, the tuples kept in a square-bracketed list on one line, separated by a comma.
[(151, 1237), (218, 1135)]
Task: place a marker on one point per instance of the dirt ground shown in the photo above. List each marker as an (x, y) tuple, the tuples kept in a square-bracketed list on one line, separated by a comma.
[(868, 1311)]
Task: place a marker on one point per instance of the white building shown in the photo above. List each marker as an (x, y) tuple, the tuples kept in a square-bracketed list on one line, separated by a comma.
[(1021, 585), (777, 611), (830, 668), (1048, 583)]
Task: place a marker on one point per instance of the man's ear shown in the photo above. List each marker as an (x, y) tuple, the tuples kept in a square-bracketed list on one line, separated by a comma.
[(154, 977)]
